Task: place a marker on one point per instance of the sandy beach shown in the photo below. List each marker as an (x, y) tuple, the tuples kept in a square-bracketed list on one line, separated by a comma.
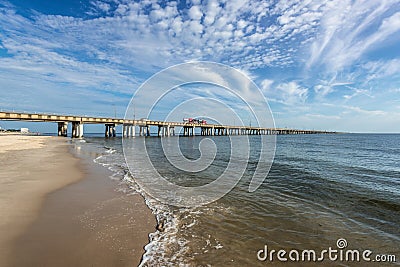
[(62, 210)]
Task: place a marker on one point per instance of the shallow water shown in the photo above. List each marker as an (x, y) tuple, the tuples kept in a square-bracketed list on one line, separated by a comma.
[(320, 188)]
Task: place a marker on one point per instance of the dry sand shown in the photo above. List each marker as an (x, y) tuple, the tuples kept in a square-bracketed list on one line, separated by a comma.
[(31, 167), (10, 142), (53, 217)]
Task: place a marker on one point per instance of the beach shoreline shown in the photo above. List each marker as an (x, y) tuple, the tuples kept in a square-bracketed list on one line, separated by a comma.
[(77, 219)]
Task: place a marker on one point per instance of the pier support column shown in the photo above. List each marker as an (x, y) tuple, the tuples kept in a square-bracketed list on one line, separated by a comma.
[(110, 130), (144, 130), (77, 129), (74, 129), (128, 130), (133, 130), (80, 130), (171, 130), (187, 130), (62, 128)]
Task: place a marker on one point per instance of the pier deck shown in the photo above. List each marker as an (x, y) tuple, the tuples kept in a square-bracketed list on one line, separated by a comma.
[(129, 126)]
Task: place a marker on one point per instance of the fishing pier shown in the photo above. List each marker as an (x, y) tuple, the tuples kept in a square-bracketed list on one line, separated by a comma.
[(130, 127)]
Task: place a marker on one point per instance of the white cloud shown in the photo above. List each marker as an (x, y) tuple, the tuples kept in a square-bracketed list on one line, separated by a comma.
[(213, 8), (349, 30), (195, 13), (242, 33), (266, 85), (323, 90), (366, 112), (103, 6), (121, 42), (357, 92), (289, 93), (381, 69), (323, 116), (325, 87)]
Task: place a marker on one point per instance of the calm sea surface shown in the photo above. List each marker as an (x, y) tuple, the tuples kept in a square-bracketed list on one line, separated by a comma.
[(320, 188)]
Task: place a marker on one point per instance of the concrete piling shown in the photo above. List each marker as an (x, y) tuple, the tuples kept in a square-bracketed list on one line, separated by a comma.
[(77, 129), (110, 130), (62, 129)]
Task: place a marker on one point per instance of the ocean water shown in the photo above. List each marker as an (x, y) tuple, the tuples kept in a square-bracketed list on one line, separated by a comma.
[(320, 188)]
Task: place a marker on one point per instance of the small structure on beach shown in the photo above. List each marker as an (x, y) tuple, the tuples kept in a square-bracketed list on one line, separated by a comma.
[(24, 130)]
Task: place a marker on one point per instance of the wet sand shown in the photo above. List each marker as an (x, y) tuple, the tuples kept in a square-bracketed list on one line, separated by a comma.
[(65, 211)]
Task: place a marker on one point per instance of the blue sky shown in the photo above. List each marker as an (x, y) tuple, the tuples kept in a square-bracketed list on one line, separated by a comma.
[(328, 64)]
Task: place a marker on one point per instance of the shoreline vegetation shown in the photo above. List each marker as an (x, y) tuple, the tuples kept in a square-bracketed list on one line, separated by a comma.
[(59, 208)]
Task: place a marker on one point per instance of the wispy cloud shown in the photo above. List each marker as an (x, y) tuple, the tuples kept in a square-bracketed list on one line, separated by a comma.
[(357, 92), (323, 116), (364, 111), (345, 33), (382, 68), (325, 87)]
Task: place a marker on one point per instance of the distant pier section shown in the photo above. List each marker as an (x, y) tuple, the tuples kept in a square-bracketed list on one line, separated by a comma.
[(129, 127)]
